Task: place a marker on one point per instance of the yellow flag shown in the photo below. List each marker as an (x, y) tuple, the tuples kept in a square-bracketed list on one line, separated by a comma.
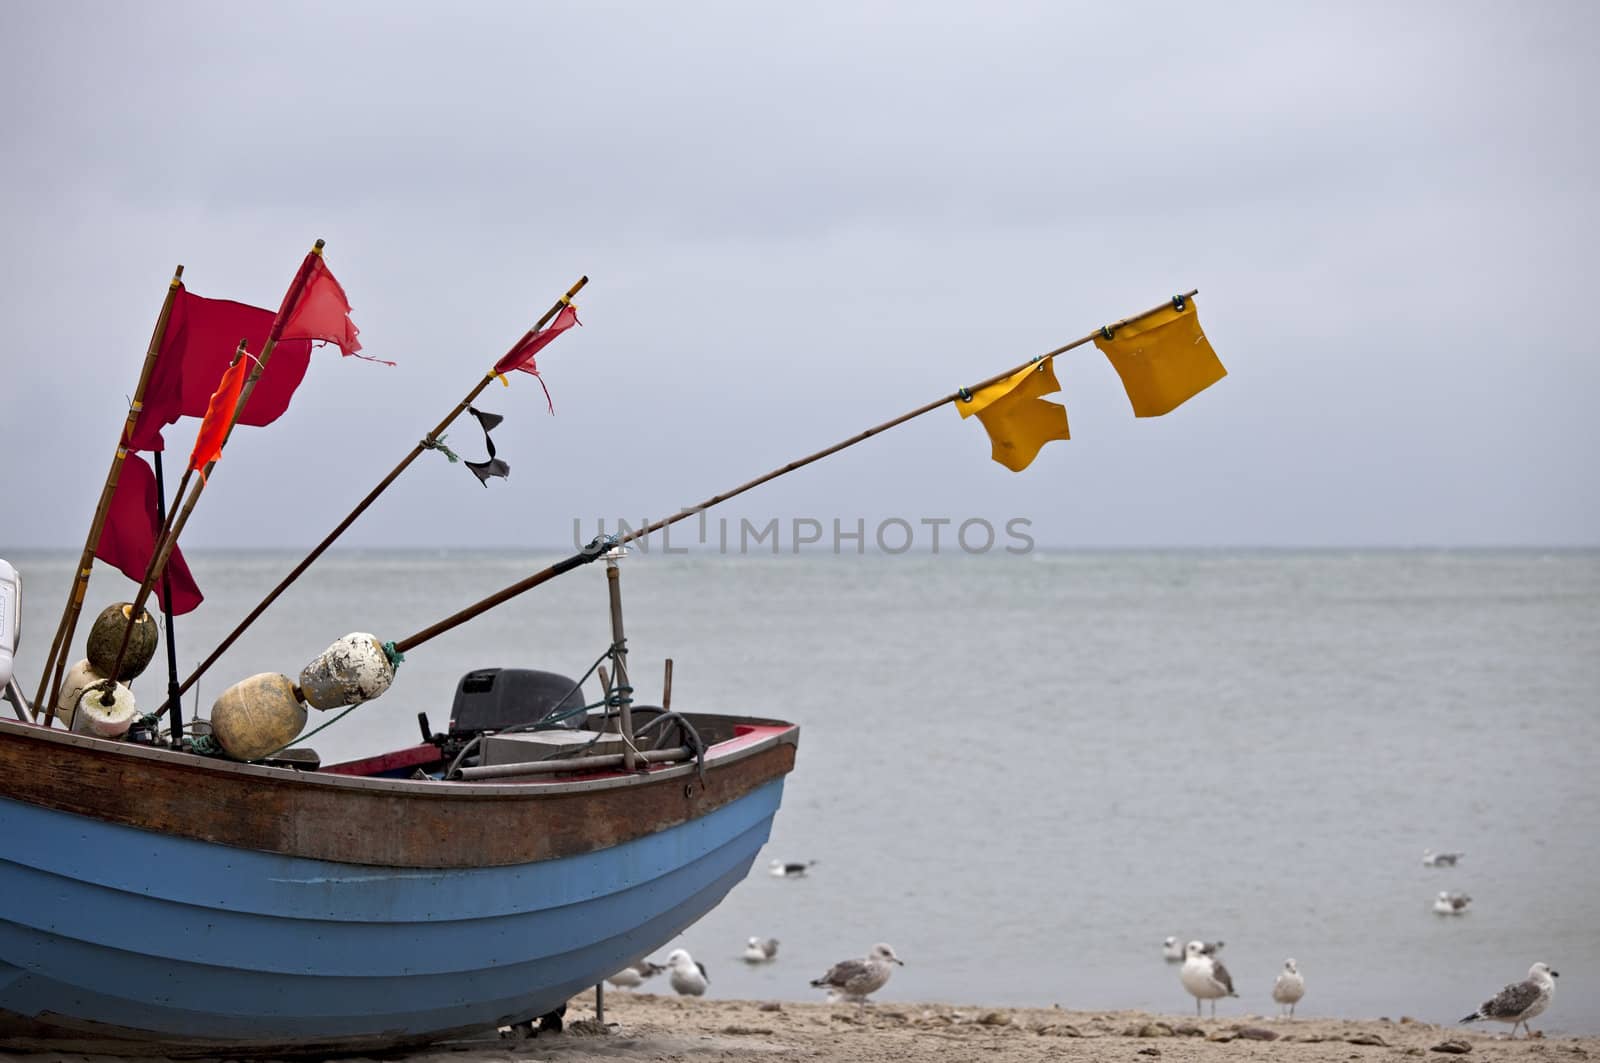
[(1164, 359), (1018, 421)]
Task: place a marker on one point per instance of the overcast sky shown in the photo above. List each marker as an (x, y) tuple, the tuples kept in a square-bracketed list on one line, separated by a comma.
[(802, 220)]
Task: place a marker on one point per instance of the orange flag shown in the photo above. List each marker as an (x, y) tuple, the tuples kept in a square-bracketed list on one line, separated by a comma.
[(1019, 421), (1164, 359), (219, 417)]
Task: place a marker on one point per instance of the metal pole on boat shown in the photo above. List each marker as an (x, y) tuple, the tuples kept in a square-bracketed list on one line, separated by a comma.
[(595, 549), (172, 639), (428, 442), (80, 581), (622, 693)]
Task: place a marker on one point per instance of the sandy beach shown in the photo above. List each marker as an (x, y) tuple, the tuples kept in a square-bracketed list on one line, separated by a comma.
[(649, 1027)]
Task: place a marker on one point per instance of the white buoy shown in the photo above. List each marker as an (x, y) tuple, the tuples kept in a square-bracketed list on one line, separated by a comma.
[(352, 670), (94, 717), (79, 677), (257, 716)]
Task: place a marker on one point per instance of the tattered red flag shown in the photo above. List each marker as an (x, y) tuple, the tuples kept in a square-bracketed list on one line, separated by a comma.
[(196, 349), (321, 311), (521, 357), (129, 538), (219, 417)]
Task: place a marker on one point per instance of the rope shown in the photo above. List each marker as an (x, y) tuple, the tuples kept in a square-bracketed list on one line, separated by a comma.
[(430, 443), (395, 657)]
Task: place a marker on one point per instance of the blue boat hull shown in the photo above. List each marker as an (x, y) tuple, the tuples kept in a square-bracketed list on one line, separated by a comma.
[(129, 934)]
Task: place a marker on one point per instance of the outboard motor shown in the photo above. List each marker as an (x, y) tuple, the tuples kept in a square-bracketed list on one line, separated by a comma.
[(490, 700), (10, 620)]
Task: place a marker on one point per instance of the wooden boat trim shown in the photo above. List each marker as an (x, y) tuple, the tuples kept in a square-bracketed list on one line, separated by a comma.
[(382, 822)]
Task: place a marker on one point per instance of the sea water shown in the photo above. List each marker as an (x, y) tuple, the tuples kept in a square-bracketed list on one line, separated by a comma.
[(1024, 772)]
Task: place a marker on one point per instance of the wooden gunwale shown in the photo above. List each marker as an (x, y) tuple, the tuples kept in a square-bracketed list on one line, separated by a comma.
[(381, 822)]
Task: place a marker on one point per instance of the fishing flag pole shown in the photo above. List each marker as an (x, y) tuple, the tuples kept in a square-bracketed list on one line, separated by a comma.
[(209, 444), (166, 615), (80, 582), (600, 547), (429, 442)]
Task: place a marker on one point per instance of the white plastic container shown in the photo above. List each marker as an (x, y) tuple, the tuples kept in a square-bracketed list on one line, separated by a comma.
[(10, 619)]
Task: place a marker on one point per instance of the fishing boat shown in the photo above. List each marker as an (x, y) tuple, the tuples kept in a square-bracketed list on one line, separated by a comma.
[(157, 897), (156, 901)]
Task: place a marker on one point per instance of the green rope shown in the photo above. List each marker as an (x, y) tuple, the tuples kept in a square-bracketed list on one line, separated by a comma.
[(394, 655), (430, 443)]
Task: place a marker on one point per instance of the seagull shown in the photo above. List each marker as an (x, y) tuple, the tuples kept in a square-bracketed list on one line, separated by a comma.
[(1433, 859), (1204, 977), (1173, 952), (782, 869), (1520, 1001), (634, 976), (689, 976), (1451, 903), (1289, 987), (855, 980), (759, 950)]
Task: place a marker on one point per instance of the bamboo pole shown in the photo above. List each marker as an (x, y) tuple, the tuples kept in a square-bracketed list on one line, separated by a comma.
[(619, 648), (169, 539), (427, 442), (599, 547), (80, 581)]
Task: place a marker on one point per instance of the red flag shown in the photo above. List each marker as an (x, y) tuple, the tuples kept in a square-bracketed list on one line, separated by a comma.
[(521, 356), (195, 351), (219, 417), (129, 538), (320, 311)]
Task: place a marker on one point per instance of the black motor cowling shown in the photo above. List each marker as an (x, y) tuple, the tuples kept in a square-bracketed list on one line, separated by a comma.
[(493, 699)]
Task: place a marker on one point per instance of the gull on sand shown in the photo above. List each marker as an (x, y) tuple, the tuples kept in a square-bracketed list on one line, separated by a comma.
[(760, 950), (633, 976), (789, 869), (688, 976), (1520, 1001), (1433, 859), (1289, 987), (1204, 976), (855, 980), (1448, 903)]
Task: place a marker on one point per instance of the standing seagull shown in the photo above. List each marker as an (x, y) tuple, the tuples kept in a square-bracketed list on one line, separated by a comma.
[(633, 977), (1451, 903), (688, 977), (1289, 988), (857, 979), (1433, 859), (1204, 977), (1520, 1001), (781, 869)]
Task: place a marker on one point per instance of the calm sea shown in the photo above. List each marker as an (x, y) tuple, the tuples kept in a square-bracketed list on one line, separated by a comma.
[(1025, 772)]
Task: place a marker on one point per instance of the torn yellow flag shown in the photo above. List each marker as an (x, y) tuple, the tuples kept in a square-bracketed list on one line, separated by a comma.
[(1018, 421), (1164, 359)]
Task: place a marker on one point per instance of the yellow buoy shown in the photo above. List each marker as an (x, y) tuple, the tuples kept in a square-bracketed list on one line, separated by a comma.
[(78, 679), (257, 716), (95, 717), (105, 639), (353, 669)]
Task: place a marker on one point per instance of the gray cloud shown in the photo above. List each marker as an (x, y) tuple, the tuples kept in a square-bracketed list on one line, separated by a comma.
[(800, 222)]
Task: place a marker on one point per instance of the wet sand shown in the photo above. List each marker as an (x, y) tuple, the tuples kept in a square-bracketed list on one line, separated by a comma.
[(645, 1027)]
